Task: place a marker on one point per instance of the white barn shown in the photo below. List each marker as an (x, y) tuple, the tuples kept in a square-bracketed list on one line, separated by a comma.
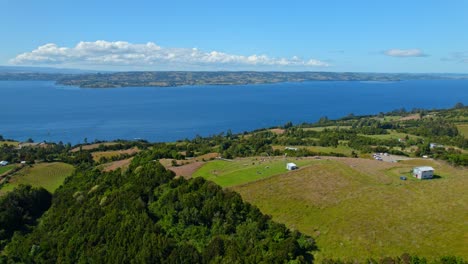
[(291, 166), (424, 172)]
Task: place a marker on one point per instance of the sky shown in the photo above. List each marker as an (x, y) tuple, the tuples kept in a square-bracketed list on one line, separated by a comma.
[(310, 35)]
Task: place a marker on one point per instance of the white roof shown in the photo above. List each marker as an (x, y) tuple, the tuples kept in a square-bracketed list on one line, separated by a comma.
[(291, 164), (424, 168)]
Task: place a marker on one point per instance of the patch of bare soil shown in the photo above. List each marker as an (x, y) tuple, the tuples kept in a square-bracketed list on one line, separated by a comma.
[(411, 117), (123, 164), (278, 131), (187, 170), (93, 146)]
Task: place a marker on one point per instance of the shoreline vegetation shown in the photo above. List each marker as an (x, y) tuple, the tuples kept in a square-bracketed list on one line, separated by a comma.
[(184, 78)]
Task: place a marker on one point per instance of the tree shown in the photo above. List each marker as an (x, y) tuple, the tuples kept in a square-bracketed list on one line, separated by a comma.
[(459, 105), (288, 125)]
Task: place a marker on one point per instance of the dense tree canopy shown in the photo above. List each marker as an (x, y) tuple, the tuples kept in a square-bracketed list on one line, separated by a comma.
[(19, 210), (145, 215)]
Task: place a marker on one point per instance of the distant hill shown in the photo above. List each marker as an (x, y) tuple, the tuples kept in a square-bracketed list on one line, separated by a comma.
[(172, 78), (90, 79)]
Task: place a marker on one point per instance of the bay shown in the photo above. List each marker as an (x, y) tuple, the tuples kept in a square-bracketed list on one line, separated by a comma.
[(44, 111)]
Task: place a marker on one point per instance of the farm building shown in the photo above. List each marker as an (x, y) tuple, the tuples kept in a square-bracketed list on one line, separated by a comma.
[(3, 163), (424, 172), (291, 166), (435, 145), (290, 148)]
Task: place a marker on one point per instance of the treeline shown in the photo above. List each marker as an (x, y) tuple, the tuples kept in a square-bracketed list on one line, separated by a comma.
[(49, 152), (146, 216)]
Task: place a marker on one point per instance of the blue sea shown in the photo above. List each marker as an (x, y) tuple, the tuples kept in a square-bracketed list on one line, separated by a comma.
[(44, 111)]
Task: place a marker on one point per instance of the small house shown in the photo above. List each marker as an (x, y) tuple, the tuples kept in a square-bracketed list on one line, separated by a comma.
[(435, 145), (424, 172), (290, 148), (291, 166), (3, 163)]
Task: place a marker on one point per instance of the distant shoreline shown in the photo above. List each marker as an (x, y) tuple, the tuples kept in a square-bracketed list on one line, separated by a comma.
[(187, 78)]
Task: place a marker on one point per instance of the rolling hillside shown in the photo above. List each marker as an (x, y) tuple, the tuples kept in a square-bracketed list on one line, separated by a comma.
[(357, 208)]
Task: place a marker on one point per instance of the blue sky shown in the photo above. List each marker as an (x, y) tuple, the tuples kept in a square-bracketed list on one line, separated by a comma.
[(361, 36)]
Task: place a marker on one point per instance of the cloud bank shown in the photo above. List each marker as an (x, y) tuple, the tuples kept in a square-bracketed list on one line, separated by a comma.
[(121, 53), (405, 53)]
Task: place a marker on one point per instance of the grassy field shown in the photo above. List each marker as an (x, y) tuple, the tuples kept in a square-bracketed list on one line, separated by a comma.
[(6, 168), (340, 149), (391, 135), (463, 130), (240, 171), (47, 175), (11, 143), (357, 208)]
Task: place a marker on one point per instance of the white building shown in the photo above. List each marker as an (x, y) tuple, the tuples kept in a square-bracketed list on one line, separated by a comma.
[(424, 172), (291, 166), (435, 145), (3, 163), (290, 148)]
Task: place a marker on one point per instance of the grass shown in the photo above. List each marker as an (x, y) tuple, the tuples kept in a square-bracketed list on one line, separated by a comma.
[(327, 127), (47, 175), (463, 129), (340, 149), (241, 171), (358, 208), (392, 135), (10, 143), (6, 168)]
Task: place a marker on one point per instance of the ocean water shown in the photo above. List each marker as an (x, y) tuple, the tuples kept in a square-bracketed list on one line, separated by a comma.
[(44, 111)]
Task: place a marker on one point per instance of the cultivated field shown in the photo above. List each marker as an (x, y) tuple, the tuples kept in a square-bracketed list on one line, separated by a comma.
[(118, 164), (327, 127), (47, 175), (93, 146), (186, 170), (113, 153), (244, 170), (358, 208)]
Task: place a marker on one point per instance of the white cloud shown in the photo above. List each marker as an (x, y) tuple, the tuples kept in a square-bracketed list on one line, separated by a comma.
[(460, 57), (121, 53), (405, 53)]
